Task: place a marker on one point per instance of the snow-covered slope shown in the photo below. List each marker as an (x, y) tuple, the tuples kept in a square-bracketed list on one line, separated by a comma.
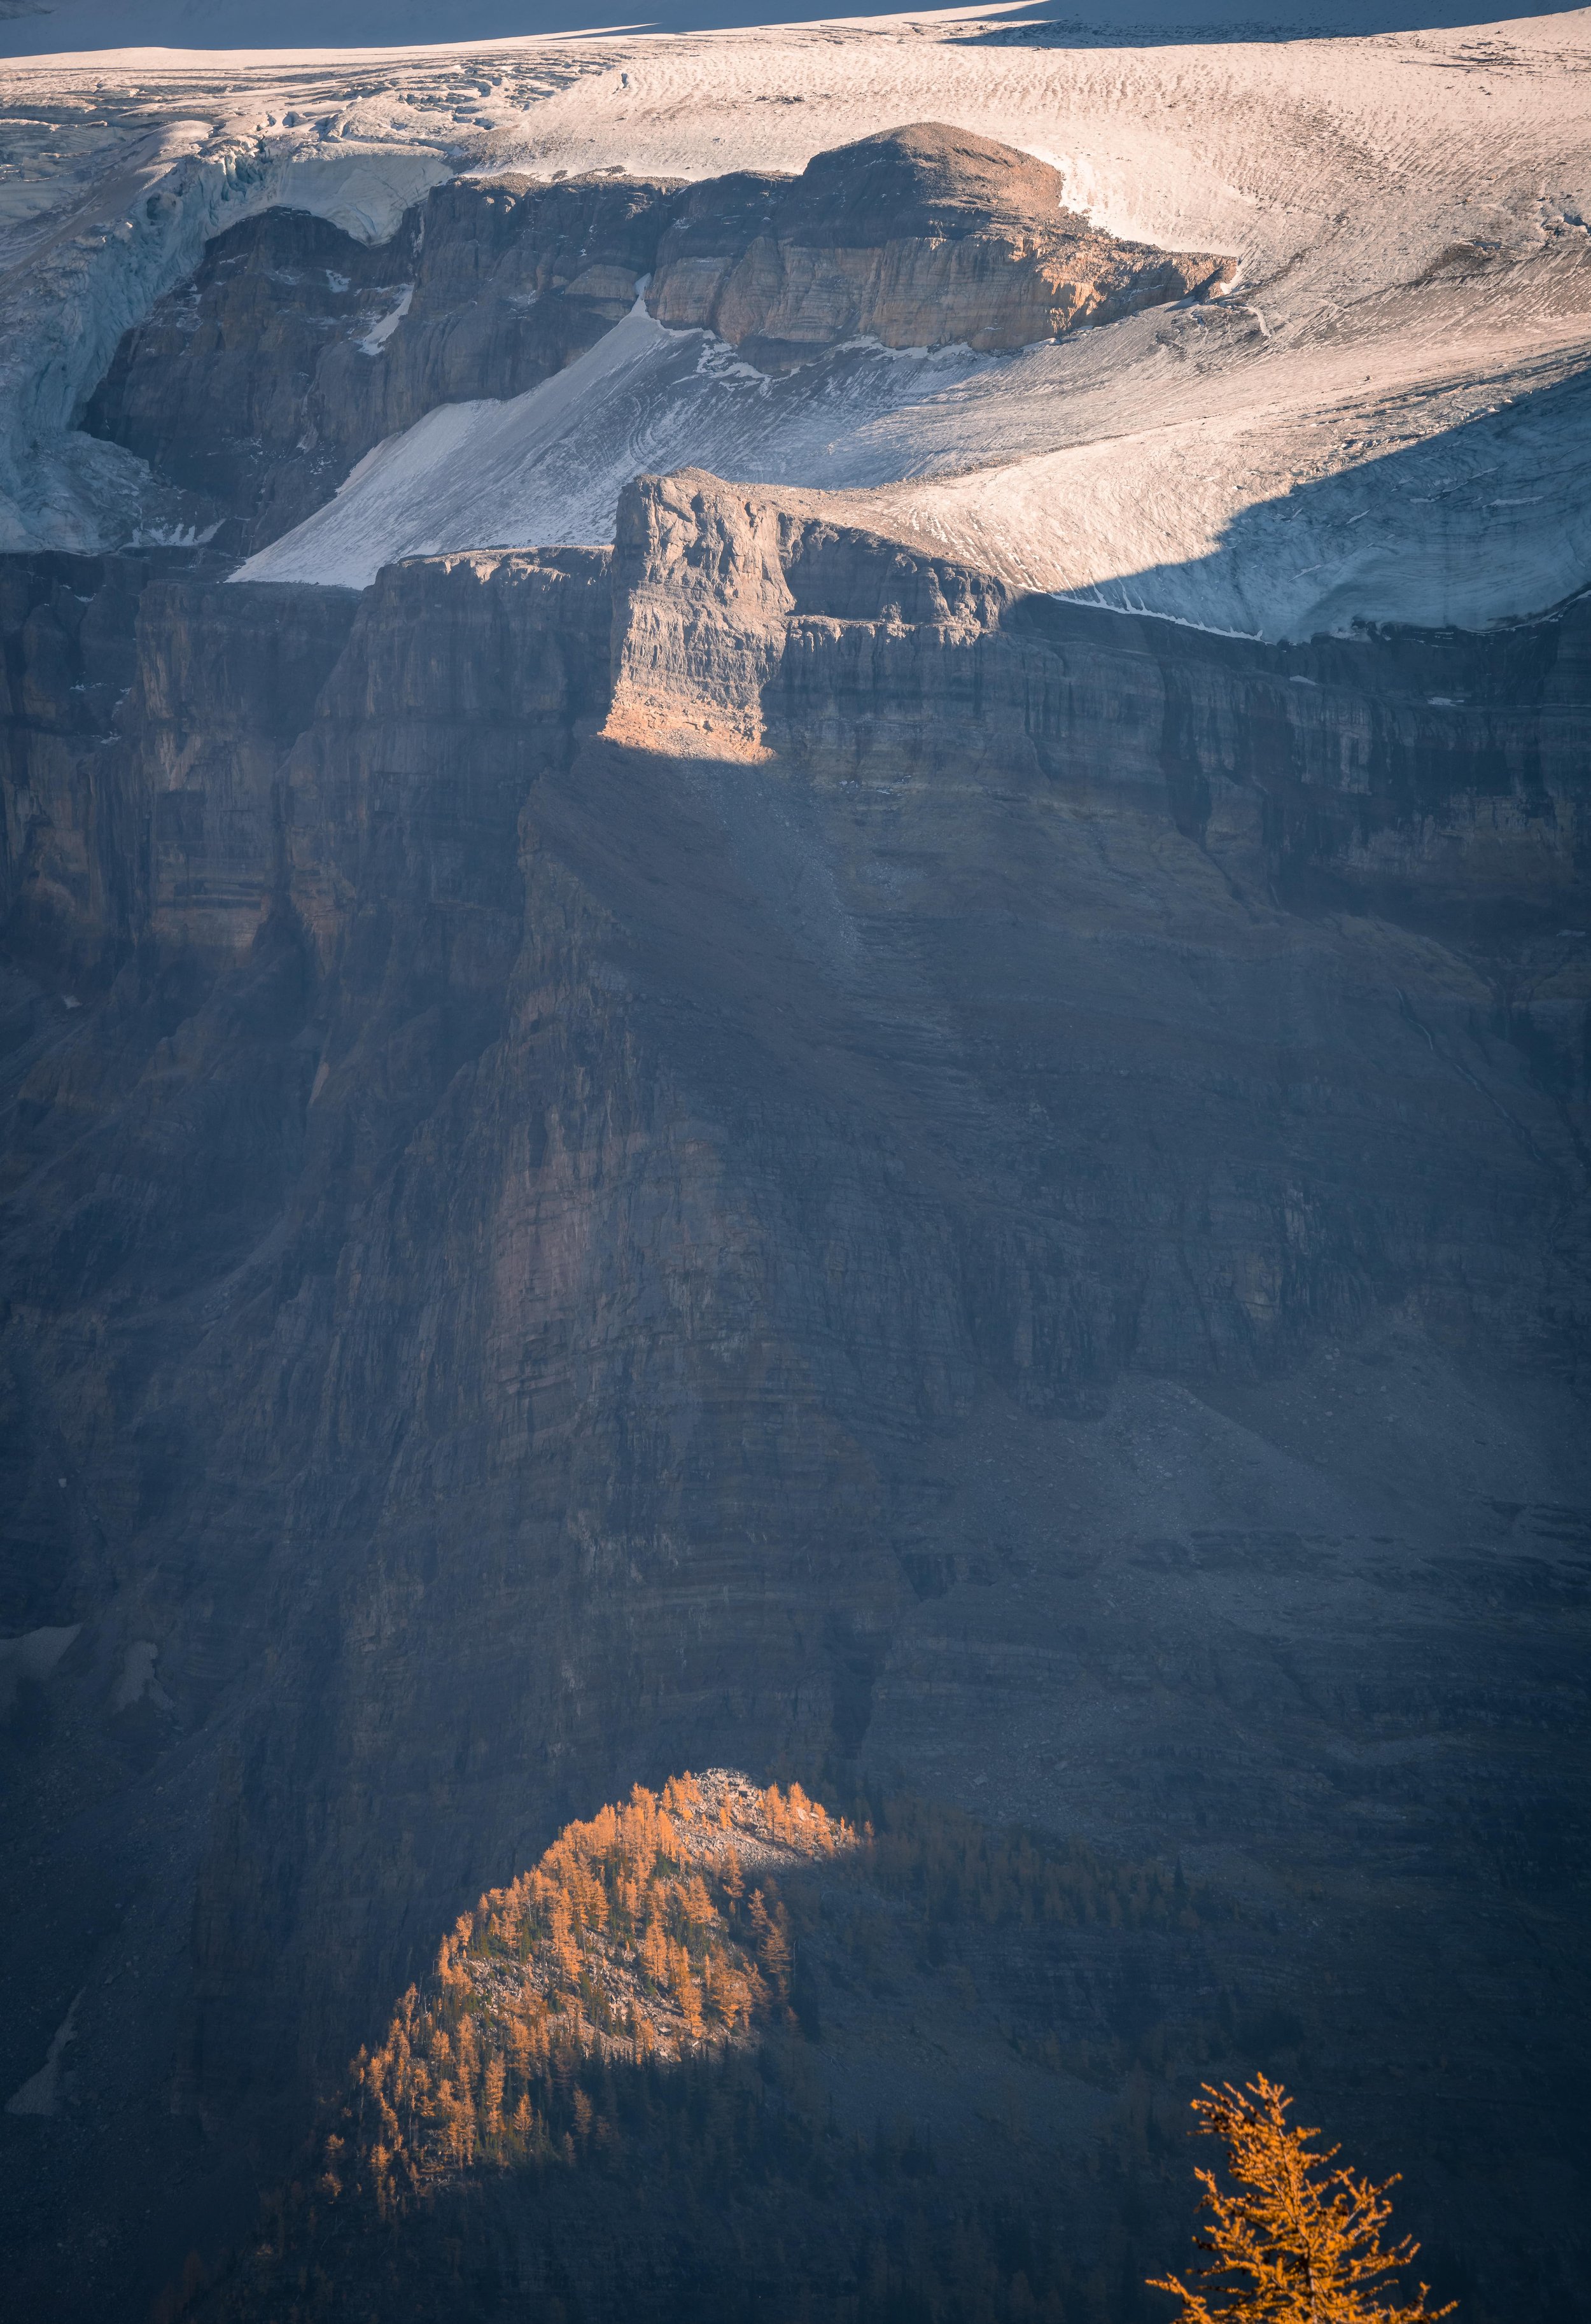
[(1473, 505), (1453, 486), (1385, 421), (549, 465)]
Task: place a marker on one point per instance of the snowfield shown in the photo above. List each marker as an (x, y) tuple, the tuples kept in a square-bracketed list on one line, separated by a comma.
[(1390, 419), (551, 465)]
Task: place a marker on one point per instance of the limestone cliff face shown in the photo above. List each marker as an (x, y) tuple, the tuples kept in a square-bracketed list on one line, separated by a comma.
[(71, 867), (148, 718), (755, 1148), (922, 236), (227, 677), (1309, 790)]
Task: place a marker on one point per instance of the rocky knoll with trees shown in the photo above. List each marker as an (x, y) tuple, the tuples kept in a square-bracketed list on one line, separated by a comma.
[(721, 2048), (638, 2081)]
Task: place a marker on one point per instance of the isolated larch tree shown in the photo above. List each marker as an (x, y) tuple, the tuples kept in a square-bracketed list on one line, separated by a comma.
[(1294, 2241)]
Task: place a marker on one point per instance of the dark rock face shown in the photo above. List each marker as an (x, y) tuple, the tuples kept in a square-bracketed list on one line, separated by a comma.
[(70, 868), (259, 383), (753, 1148), (110, 840), (515, 279), (220, 389)]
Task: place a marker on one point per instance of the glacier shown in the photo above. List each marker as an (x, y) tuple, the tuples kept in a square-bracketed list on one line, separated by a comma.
[(1385, 424)]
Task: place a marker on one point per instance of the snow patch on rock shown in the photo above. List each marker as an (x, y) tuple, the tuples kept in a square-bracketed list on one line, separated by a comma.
[(40, 2093), (32, 1655), (376, 338), (138, 1679)]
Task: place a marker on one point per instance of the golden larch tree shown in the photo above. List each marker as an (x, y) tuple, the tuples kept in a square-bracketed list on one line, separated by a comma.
[(1294, 2241)]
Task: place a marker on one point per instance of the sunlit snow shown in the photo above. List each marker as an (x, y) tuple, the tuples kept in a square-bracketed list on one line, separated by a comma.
[(1388, 419), (549, 465)]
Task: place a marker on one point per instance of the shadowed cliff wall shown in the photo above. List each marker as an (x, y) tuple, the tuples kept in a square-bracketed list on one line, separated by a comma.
[(665, 1172)]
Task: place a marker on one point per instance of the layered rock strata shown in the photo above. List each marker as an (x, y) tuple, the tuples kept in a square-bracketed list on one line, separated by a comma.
[(754, 1146), (70, 869), (924, 236), (147, 714), (295, 350)]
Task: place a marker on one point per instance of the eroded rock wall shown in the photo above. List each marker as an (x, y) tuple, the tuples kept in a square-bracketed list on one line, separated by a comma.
[(773, 1096), (72, 867), (294, 349)]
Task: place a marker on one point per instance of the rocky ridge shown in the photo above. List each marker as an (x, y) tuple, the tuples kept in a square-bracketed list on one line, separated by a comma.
[(295, 348), (922, 236), (656, 2068)]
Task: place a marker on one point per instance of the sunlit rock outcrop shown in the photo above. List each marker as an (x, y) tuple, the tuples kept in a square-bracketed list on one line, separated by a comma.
[(918, 237)]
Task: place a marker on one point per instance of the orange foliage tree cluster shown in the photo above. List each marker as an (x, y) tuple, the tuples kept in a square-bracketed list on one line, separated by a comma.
[(656, 1930)]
